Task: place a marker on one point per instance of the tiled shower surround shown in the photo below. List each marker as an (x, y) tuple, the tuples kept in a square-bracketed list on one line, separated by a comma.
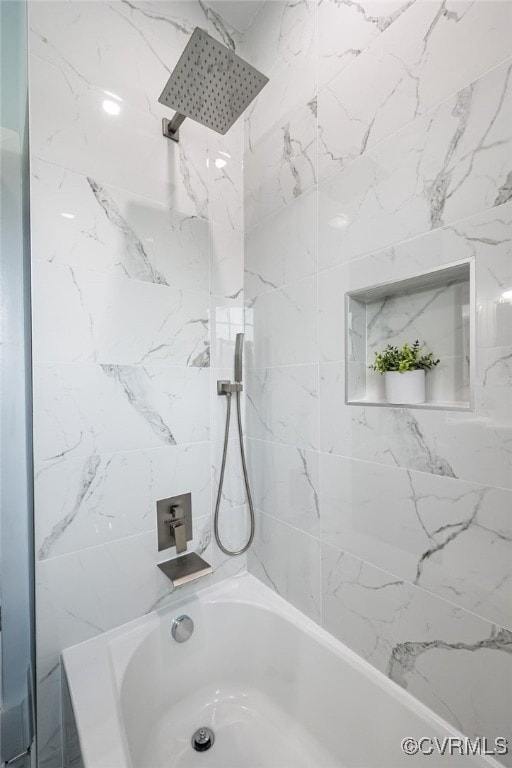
[(380, 149), (137, 295)]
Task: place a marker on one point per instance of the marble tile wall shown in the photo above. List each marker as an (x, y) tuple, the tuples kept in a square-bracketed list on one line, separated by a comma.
[(380, 149), (137, 289)]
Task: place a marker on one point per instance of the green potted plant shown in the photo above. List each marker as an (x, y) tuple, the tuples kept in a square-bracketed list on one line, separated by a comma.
[(404, 372)]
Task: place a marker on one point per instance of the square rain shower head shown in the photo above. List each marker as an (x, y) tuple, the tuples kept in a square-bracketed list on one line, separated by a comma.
[(211, 84)]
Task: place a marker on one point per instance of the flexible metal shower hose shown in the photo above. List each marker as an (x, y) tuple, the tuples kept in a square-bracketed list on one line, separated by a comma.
[(221, 479)]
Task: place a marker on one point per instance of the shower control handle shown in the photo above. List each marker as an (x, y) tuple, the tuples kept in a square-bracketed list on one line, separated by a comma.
[(178, 530), (174, 522)]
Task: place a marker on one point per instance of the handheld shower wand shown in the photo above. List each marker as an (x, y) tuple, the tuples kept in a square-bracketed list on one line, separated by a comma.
[(227, 388), (239, 351)]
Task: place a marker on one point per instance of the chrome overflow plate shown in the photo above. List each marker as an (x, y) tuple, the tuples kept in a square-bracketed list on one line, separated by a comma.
[(203, 739), (182, 629)]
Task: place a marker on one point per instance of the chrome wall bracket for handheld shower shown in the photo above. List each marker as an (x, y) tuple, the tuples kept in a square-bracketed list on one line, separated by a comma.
[(210, 84), (226, 387)]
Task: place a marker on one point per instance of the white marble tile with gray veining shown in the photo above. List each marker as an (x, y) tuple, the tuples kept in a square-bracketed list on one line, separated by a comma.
[(79, 129), (426, 175), (333, 284), (226, 321), (164, 19), (226, 188), (91, 41), (282, 405), (90, 500), (288, 561), (83, 409), (285, 330), (85, 593), (490, 238), (49, 712), (285, 483), (233, 489), (281, 41), (455, 662), (448, 536), (485, 238), (281, 160), (231, 145), (449, 381), (494, 388), (234, 530), (221, 30), (282, 164), (495, 368), (77, 221), (403, 74), (226, 262), (84, 316), (474, 446), (347, 27), (283, 248), (175, 21), (438, 317)]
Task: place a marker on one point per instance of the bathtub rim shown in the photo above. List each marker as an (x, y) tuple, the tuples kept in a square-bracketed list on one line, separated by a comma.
[(107, 746)]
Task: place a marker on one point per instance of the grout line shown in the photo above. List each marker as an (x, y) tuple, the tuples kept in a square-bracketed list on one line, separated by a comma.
[(78, 552), (263, 368), (393, 245), (115, 276), (150, 531), (347, 457), (99, 363), (416, 118), (164, 205), (318, 325), (289, 525), (177, 447), (341, 361), (293, 284), (436, 596), (309, 191)]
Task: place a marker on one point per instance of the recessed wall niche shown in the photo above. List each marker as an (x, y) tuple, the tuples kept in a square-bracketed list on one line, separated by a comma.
[(436, 308)]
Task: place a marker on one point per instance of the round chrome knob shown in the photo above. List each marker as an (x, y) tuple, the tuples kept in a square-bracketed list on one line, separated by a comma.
[(182, 628)]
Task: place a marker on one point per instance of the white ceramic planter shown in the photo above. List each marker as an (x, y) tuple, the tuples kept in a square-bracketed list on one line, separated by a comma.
[(405, 388)]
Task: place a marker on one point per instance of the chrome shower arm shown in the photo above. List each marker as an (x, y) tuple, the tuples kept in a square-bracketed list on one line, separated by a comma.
[(171, 128)]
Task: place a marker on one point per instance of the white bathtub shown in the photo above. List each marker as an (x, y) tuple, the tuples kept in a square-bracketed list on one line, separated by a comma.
[(278, 692)]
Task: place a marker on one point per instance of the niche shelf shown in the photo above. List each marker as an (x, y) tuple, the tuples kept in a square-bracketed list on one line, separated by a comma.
[(436, 307)]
